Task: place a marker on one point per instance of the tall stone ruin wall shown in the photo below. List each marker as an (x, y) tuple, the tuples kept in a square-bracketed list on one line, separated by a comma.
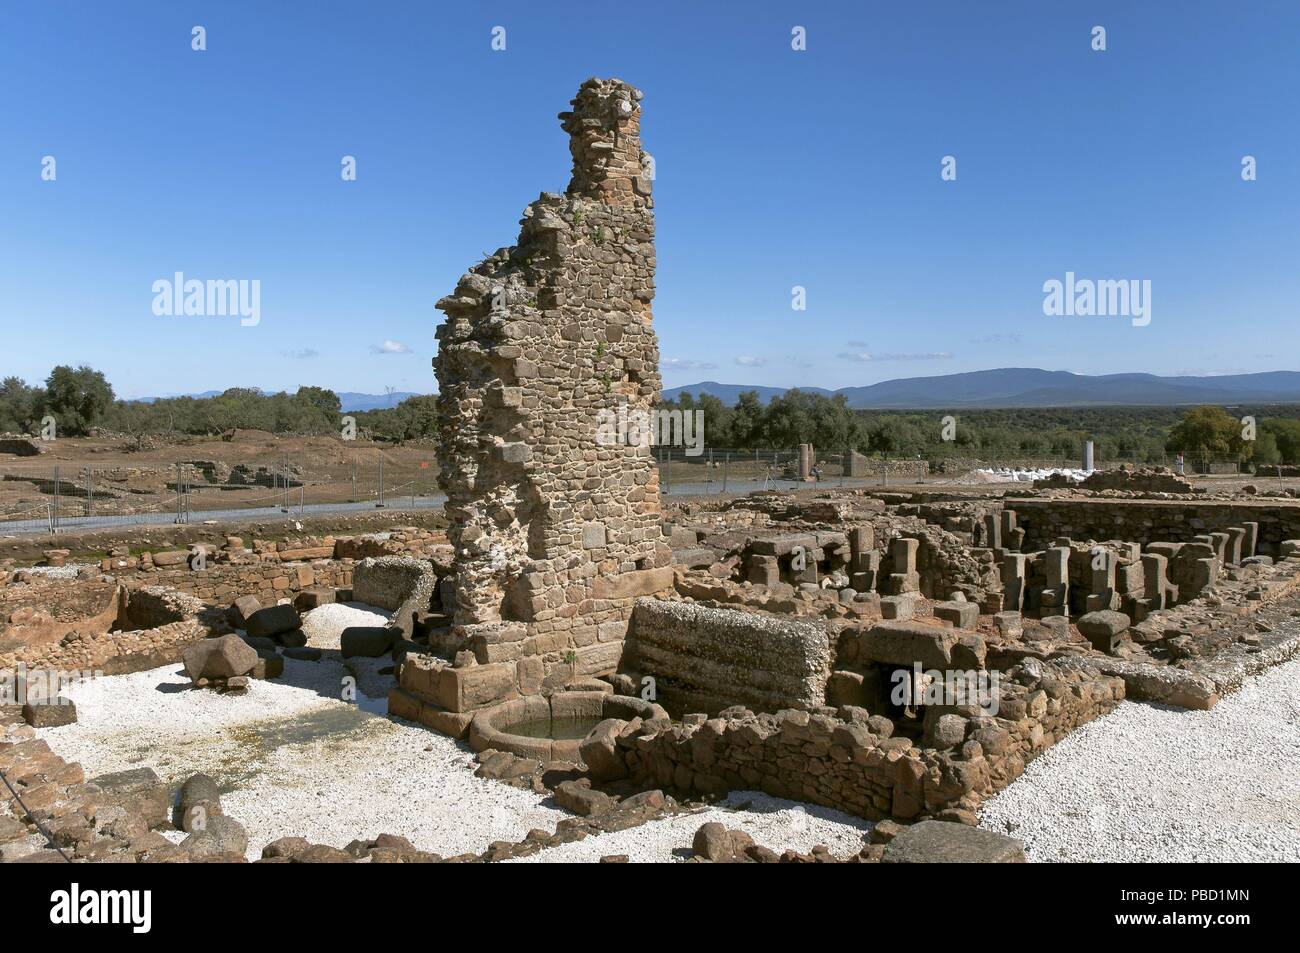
[(556, 533)]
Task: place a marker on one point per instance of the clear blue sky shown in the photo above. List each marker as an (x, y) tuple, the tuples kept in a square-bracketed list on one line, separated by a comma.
[(775, 168)]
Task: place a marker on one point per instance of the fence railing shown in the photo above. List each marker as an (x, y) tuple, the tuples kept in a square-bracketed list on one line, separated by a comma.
[(35, 496)]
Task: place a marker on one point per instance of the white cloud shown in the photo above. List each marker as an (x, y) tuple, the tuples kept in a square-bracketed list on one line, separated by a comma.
[(390, 347), (865, 356), (748, 360), (686, 364)]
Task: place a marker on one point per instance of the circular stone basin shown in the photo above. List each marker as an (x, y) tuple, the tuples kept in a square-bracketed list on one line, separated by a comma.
[(565, 714)]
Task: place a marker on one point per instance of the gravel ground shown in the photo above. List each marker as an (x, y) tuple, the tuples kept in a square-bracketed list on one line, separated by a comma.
[(324, 624), (295, 760), (1153, 783), (68, 571), (772, 822)]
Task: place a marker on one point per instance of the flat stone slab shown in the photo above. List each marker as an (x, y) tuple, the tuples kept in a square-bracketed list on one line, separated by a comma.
[(943, 842)]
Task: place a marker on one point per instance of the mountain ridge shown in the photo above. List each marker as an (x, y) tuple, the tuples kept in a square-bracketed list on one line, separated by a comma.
[(1028, 387)]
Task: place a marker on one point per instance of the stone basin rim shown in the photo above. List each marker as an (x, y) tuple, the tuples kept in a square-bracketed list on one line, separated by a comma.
[(490, 728)]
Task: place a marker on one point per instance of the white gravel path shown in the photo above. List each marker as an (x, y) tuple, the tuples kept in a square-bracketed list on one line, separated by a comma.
[(298, 761), (772, 822), (1153, 783)]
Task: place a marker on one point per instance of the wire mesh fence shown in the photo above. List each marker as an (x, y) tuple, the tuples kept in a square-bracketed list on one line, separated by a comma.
[(36, 498), (729, 470)]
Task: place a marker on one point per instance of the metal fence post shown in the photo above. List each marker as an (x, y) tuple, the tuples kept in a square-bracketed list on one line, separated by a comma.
[(726, 458), (381, 479), (56, 499)]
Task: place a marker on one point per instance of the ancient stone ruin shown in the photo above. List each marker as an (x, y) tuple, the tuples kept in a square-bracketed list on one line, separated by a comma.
[(555, 532), (900, 656)]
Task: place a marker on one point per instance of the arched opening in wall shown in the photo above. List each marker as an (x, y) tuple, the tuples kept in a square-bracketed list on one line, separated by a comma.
[(516, 601), (535, 517), (902, 700), (525, 541)]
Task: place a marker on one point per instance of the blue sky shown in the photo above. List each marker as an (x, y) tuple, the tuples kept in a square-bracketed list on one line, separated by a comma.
[(775, 168)]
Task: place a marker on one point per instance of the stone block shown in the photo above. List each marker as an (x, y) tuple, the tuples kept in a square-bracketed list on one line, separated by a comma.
[(593, 535), (368, 641), (631, 585), (900, 608), (963, 615), (943, 842), (273, 620), (764, 570), (1104, 629), (904, 643)]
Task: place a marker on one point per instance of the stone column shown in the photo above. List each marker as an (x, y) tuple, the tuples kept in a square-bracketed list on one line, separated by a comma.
[(1013, 581), (1155, 581), (1236, 542), (993, 531), (903, 576), (1250, 546), (1102, 593), (1056, 567), (864, 561)]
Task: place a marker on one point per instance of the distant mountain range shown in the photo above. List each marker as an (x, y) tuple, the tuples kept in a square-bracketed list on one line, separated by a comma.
[(1012, 387), (353, 401), (349, 399)]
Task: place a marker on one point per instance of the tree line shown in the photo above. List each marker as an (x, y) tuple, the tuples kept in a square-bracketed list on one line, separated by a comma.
[(1136, 434), (81, 399)]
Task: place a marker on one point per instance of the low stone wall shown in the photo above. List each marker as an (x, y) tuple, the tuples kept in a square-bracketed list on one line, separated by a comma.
[(856, 765), (1148, 521), (110, 653), (407, 531), (269, 582), (707, 659)]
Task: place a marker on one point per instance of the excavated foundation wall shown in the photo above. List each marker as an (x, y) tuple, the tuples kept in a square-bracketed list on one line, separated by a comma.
[(133, 630), (269, 582), (1151, 521), (858, 765)]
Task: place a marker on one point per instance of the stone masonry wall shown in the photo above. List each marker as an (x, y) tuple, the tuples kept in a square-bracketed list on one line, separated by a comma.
[(707, 659), (269, 582), (855, 763), (555, 532), (1151, 521)]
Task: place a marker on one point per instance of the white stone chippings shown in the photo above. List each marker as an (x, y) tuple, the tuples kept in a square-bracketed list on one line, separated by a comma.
[(293, 760), (1012, 475), (324, 625), (66, 571), (1153, 783), (773, 822)]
